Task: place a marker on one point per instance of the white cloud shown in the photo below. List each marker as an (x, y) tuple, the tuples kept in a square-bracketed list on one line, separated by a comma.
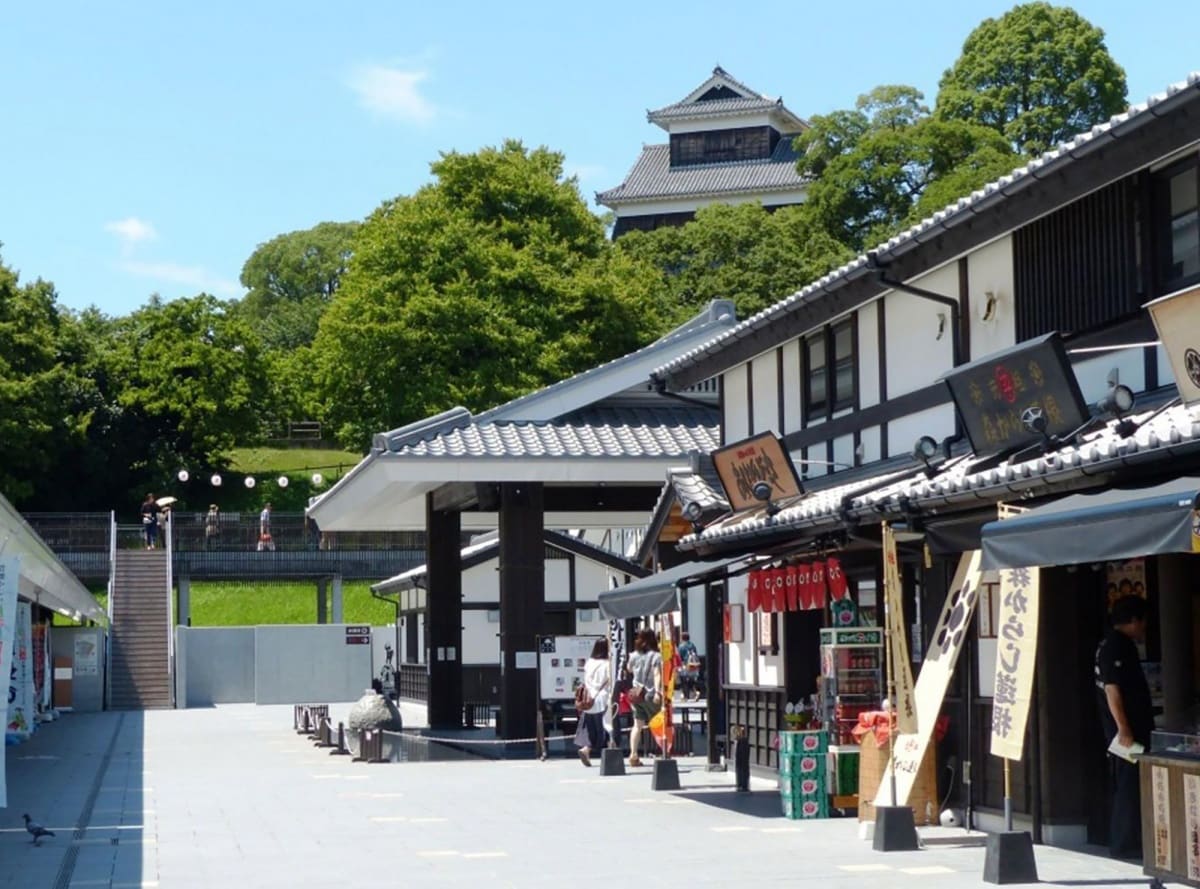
[(392, 92), (131, 231), (193, 277)]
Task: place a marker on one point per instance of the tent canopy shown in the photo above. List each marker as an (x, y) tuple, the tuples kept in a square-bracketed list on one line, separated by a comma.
[(658, 593), (1118, 523)]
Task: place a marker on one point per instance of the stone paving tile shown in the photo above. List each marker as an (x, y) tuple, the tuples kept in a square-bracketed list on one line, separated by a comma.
[(231, 797)]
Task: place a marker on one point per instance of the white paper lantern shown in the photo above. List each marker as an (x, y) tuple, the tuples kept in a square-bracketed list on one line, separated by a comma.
[(318, 479), (283, 481), (250, 483), (216, 480), (182, 475)]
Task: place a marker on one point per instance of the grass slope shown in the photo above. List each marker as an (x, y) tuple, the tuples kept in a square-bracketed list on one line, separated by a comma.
[(264, 461), (247, 604)]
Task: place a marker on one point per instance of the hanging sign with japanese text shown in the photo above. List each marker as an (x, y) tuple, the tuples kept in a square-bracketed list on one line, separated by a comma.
[(906, 709), (744, 464), (940, 657), (1016, 651), (1000, 397), (1175, 317)]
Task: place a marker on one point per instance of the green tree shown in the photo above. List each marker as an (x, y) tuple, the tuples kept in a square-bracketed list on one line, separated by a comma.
[(45, 402), (291, 279), (490, 282), (742, 252), (189, 381), (1038, 75), (881, 166)]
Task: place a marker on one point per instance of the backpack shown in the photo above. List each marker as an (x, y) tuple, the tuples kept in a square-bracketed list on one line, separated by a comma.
[(583, 699)]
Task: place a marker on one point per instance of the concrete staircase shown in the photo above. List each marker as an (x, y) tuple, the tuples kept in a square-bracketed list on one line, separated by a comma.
[(140, 677)]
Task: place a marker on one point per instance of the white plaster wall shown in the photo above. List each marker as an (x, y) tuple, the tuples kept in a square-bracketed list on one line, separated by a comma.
[(868, 355), (792, 418), (764, 376), (736, 421), (770, 666), (1166, 376), (990, 268), (740, 663), (732, 122), (481, 583), (843, 452), (1092, 373), (591, 579), (558, 580), (782, 198), (870, 439), (904, 432), (915, 357), (695, 616), (480, 639)]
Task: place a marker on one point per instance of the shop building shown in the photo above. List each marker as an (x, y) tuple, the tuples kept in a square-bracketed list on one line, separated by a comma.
[(727, 144), (848, 375)]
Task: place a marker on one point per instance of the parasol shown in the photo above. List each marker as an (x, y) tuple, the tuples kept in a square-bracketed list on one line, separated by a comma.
[(165, 501)]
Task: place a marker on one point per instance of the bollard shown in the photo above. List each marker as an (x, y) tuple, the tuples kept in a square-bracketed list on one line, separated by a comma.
[(370, 746), (741, 760), (324, 735), (340, 749)]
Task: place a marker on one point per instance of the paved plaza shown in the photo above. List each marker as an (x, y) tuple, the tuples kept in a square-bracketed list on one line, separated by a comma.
[(230, 796)]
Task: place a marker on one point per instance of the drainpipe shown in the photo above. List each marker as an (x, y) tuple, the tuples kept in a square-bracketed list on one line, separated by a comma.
[(880, 268)]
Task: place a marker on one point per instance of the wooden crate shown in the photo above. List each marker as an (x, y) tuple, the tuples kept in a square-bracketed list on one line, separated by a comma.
[(872, 761)]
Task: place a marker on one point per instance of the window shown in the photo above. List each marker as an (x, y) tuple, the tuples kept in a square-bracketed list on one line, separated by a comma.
[(1177, 225), (830, 375)]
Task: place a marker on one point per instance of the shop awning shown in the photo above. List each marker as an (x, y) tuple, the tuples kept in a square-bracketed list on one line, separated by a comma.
[(657, 593), (1117, 523)]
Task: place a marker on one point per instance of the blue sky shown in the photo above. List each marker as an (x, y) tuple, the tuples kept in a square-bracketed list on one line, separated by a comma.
[(150, 147)]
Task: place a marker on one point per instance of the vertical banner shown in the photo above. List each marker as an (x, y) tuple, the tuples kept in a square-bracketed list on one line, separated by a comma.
[(1016, 652), (940, 658), (1191, 817), (20, 691), (906, 709), (9, 577), (1160, 808), (41, 666)]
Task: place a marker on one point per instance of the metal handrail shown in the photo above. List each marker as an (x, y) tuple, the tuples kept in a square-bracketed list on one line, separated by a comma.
[(168, 534), (112, 587)]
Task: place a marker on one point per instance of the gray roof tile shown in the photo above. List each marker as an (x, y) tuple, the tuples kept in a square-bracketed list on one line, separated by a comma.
[(714, 107), (653, 177), (594, 432), (1163, 436), (960, 211)]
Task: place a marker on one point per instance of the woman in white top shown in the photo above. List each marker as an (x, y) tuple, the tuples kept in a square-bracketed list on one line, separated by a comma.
[(596, 681)]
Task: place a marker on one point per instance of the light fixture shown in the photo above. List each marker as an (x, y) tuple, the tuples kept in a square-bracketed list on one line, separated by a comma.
[(1117, 402), (762, 491), (250, 483), (941, 330), (692, 511), (215, 480), (317, 479), (925, 450), (182, 475), (283, 481), (991, 305)]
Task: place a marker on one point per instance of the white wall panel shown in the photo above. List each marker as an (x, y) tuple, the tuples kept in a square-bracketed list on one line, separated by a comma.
[(480, 639), (870, 444), (558, 580), (1166, 376), (915, 356), (591, 578), (764, 377), (868, 355), (990, 270), (1092, 373), (792, 418), (843, 451), (737, 420), (481, 583), (741, 654), (904, 432)]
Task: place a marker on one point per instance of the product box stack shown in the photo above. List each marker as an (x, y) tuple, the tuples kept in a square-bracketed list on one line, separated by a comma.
[(802, 778)]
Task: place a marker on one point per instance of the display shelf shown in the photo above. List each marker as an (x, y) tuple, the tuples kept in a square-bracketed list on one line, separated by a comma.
[(851, 678)]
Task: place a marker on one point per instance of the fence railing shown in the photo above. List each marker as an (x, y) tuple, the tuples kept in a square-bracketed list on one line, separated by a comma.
[(413, 682)]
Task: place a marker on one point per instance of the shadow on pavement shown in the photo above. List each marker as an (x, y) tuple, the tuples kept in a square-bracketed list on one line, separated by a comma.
[(755, 803)]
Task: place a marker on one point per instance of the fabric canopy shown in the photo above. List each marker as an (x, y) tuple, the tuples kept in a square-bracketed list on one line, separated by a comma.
[(657, 593), (1118, 523)]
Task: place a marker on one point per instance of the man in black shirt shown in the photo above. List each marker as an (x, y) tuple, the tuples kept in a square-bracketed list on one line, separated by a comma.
[(1127, 715)]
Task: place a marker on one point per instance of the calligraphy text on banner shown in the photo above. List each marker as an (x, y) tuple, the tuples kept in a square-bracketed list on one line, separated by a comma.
[(906, 708), (940, 657), (761, 458), (1016, 652), (10, 575)]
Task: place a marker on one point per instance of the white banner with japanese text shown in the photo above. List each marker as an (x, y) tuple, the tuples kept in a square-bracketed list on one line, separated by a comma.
[(906, 713), (1016, 652), (936, 670), (10, 574), (20, 723)]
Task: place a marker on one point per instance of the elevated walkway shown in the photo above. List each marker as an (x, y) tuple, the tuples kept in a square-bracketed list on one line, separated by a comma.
[(139, 636)]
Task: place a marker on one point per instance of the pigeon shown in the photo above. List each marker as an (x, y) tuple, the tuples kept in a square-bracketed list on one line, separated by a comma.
[(37, 830)]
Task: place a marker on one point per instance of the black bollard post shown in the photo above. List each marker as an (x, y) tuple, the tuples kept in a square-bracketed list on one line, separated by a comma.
[(340, 749), (741, 760)]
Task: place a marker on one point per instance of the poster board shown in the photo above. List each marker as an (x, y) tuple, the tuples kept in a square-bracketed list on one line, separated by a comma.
[(560, 665)]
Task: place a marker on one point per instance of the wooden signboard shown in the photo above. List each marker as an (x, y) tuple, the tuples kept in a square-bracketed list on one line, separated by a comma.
[(744, 464)]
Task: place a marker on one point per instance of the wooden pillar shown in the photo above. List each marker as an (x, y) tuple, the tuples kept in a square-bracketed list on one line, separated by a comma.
[(1174, 621), (322, 615), (522, 603), (443, 626), (714, 658)]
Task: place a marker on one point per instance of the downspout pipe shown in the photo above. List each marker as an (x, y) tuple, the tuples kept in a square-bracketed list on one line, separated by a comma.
[(880, 267)]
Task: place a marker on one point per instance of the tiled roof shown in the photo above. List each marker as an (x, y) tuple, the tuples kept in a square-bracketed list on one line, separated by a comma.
[(739, 105), (653, 177), (955, 214), (1164, 436), (668, 431)]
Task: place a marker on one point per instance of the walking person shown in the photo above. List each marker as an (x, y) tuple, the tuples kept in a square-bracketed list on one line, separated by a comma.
[(265, 541), (596, 682), (150, 521), (1127, 714), (645, 696), (212, 527), (689, 669)]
